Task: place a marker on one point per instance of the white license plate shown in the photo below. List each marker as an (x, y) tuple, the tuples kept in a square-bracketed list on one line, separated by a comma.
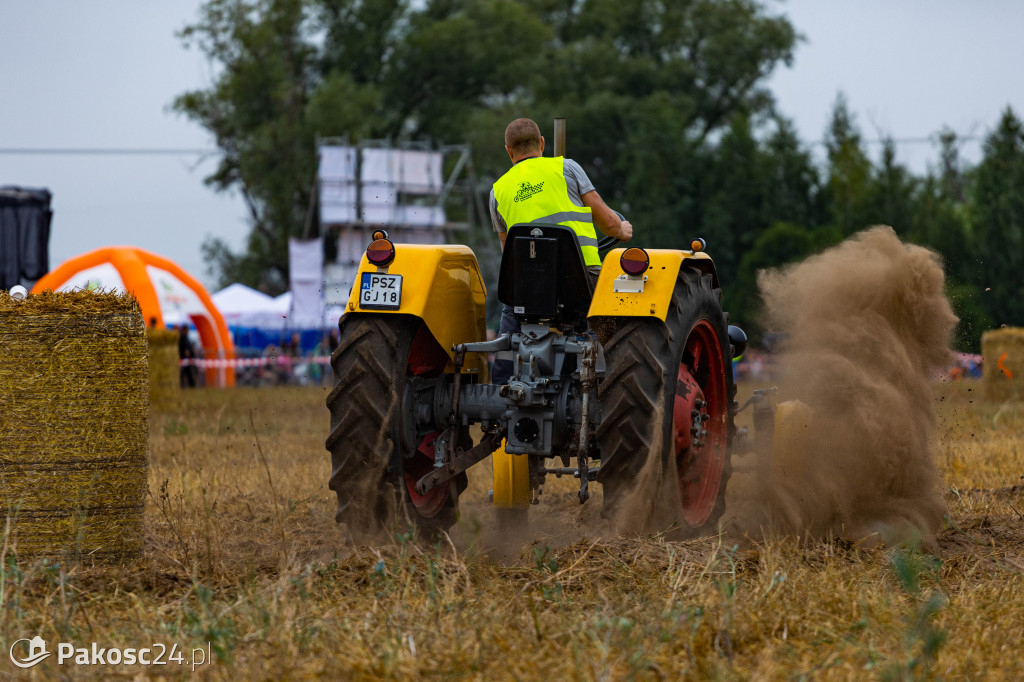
[(380, 292)]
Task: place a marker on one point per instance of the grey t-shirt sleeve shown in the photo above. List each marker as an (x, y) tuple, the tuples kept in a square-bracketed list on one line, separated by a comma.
[(496, 220), (576, 181)]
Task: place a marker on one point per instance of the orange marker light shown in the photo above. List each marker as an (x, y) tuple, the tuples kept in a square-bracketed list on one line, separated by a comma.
[(381, 252), (698, 244), (380, 234), (634, 261)]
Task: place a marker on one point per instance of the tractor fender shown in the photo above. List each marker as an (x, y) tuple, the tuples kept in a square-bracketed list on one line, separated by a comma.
[(659, 282), (441, 285)]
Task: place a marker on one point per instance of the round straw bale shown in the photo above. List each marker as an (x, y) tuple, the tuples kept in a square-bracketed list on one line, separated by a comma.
[(1002, 370), (74, 415), (164, 387)]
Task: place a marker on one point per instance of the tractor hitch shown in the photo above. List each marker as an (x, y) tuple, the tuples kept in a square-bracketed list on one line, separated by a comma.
[(760, 442), (558, 472), (460, 462)]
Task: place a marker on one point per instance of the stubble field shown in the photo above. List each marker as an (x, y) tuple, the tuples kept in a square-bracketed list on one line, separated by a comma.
[(243, 559)]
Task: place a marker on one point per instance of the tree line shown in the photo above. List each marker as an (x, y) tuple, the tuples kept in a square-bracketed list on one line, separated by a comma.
[(668, 113)]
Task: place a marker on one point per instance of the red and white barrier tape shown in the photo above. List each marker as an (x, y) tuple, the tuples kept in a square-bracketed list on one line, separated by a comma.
[(288, 361), (964, 358), (280, 361)]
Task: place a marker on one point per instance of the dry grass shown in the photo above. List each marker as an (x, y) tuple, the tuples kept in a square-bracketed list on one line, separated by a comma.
[(242, 552)]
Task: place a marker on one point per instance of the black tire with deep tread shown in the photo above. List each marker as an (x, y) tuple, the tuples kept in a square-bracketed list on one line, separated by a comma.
[(365, 438), (642, 359)]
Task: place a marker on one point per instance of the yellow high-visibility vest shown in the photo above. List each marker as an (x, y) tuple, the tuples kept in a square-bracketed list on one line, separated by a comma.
[(534, 191)]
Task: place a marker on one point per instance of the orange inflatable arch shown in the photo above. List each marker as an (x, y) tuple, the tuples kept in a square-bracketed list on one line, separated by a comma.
[(164, 291)]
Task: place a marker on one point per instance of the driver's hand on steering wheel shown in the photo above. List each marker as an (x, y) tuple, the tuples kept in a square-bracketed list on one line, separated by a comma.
[(625, 231)]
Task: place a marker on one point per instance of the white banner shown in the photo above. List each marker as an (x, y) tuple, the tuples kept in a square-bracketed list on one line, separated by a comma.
[(305, 274), (379, 203), (337, 181), (418, 172), (382, 175)]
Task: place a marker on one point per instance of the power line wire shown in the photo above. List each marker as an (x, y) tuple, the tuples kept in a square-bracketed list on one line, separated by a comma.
[(909, 140), (190, 151), (109, 151)]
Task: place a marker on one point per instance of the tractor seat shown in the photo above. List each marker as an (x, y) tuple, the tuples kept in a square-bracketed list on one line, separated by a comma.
[(543, 276)]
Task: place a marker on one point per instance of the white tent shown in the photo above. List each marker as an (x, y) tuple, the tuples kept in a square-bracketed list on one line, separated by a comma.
[(243, 306), (238, 298), (283, 303)]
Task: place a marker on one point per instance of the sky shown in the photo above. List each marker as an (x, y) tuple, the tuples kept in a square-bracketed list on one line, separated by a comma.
[(906, 67), (101, 74)]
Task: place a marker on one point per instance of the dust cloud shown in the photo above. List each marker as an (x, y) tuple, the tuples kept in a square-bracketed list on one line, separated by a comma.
[(865, 325)]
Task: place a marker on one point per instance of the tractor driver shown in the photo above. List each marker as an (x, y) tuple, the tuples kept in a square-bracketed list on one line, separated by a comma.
[(547, 190)]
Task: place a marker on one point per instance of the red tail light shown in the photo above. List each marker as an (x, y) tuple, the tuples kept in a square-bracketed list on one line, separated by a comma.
[(634, 261), (381, 252)]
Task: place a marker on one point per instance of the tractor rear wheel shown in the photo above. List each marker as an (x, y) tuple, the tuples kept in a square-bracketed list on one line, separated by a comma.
[(666, 429), (374, 468)]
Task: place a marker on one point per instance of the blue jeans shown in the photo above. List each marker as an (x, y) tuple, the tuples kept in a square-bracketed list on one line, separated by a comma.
[(501, 370)]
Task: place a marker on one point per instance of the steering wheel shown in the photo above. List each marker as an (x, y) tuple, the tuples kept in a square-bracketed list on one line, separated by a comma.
[(607, 242)]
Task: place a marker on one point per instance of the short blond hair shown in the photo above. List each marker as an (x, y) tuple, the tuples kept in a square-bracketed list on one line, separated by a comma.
[(522, 135)]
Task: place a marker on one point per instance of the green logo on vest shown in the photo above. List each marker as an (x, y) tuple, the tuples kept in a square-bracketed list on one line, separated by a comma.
[(526, 190)]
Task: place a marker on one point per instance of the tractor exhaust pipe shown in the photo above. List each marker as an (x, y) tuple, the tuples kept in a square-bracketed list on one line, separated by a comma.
[(559, 137)]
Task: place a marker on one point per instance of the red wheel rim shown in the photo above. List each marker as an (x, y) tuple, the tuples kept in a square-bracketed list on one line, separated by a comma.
[(699, 423), (426, 358), (415, 468)]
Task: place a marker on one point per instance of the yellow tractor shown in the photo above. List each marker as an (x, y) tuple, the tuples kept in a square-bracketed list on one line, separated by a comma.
[(609, 380)]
